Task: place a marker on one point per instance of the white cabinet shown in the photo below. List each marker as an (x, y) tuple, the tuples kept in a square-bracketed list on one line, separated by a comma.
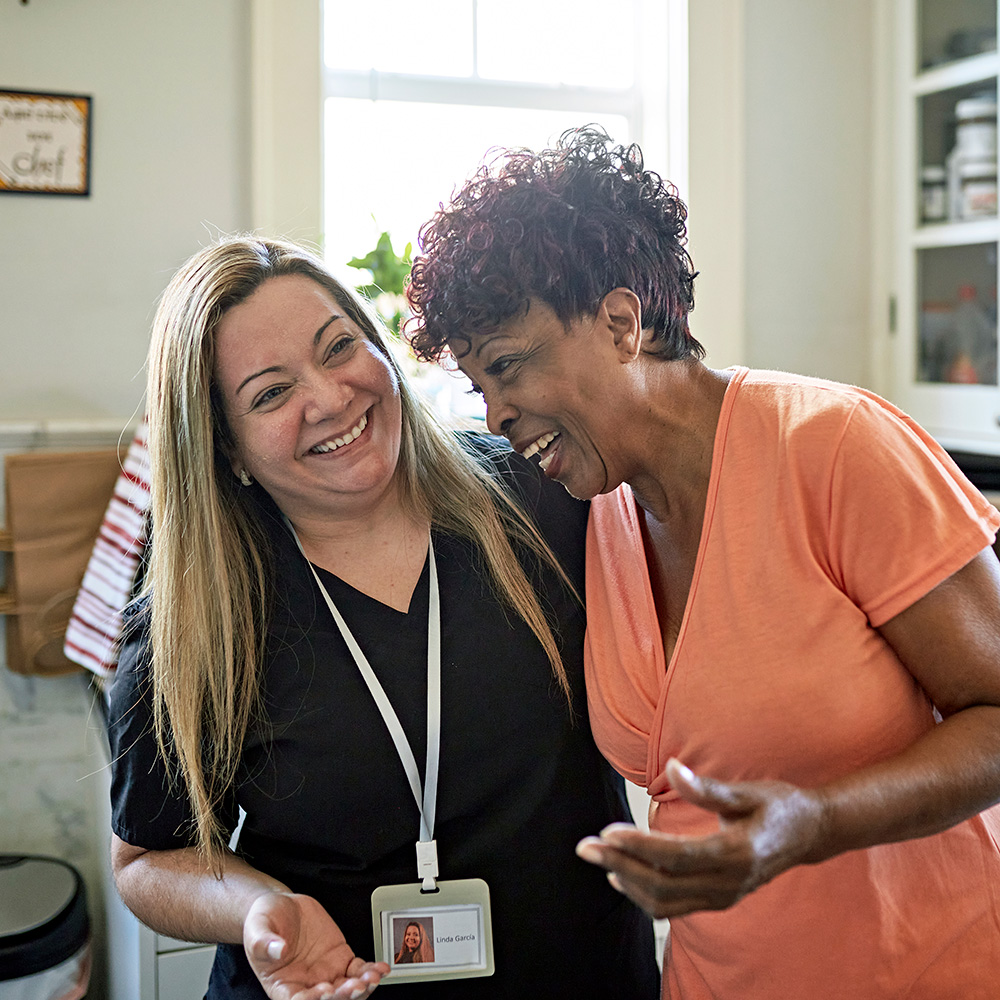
[(945, 345), (144, 965), (181, 969)]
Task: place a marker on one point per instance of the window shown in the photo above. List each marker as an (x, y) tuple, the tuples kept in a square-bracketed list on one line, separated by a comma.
[(414, 101)]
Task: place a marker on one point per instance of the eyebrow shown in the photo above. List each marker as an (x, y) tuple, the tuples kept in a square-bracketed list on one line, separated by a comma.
[(491, 339), (277, 368)]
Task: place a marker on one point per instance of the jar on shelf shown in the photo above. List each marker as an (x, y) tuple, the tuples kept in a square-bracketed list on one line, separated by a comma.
[(933, 194), (975, 142), (977, 189)]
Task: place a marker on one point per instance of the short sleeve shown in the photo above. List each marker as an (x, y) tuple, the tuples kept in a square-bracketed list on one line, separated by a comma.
[(145, 810), (903, 517)]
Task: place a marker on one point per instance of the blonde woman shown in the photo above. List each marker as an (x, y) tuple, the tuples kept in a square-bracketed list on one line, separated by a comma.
[(416, 946), (292, 471)]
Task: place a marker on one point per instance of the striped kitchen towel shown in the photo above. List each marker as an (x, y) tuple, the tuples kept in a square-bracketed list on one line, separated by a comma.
[(92, 633)]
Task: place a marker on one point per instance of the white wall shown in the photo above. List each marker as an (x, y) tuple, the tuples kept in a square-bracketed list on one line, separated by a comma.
[(809, 186), (781, 180), (716, 177), (79, 277)]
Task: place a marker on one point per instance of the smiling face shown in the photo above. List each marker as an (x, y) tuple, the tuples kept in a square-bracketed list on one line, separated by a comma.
[(312, 404), (551, 391), (411, 939)]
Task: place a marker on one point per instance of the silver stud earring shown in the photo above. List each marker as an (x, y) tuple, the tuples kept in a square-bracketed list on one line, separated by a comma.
[(245, 477)]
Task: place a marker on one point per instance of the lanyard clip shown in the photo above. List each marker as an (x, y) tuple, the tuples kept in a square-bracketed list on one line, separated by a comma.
[(427, 864)]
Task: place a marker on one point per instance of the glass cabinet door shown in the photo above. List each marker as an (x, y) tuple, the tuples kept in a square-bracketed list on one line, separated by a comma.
[(949, 30), (957, 318), (953, 268)]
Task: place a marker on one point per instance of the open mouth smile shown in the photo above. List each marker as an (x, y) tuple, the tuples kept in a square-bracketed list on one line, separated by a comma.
[(325, 447), (539, 447)]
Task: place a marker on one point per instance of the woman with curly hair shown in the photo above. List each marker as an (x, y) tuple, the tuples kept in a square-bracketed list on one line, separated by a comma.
[(323, 548), (793, 607)]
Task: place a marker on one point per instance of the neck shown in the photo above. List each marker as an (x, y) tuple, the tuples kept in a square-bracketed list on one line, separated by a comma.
[(379, 550), (680, 402), (321, 528)]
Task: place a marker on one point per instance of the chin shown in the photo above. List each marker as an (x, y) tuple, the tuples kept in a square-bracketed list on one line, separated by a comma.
[(587, 490), (579, 494), (580, 491)]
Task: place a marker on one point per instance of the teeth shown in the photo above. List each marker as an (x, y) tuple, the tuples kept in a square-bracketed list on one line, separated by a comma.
[(540, 445), (328, 446), (543, 463)]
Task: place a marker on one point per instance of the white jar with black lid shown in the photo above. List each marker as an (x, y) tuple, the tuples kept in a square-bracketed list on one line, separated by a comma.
[(44, 929), (975, 143)]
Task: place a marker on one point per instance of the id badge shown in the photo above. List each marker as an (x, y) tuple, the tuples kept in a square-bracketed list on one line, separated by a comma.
[(429, 936)]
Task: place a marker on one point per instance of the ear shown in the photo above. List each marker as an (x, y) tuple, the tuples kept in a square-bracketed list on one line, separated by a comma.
[(236, 463), (621, 311)]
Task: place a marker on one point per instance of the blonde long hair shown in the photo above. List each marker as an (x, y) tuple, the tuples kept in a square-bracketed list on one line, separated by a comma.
[(207, 576)]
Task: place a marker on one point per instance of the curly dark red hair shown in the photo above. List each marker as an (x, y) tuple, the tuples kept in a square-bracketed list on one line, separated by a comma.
[(564, 225)]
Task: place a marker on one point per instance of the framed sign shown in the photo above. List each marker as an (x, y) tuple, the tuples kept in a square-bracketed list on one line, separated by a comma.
[(44, 143)]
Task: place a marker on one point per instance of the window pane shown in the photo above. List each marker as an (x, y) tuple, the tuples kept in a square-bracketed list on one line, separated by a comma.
[(388, 164), (550, 41), (399, 36)]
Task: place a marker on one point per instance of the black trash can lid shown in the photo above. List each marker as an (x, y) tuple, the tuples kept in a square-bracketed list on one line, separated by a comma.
[(43, 914)]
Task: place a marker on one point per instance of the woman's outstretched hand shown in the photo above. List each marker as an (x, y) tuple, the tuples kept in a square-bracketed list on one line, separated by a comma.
[(765, 827), (299, 953)]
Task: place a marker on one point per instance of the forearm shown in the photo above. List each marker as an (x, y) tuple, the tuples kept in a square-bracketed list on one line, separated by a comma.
[(950, 774), (174, 893)]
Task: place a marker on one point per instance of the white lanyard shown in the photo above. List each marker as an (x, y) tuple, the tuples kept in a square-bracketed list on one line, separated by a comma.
[(427, 865)]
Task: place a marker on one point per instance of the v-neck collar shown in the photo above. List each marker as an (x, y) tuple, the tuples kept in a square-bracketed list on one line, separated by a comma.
[(341, 589)]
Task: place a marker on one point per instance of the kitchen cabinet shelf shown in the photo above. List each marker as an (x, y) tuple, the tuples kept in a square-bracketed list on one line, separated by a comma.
[(946, 232), (962, 72), (954, 234)]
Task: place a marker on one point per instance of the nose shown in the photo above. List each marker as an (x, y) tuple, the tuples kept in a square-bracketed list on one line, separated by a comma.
[(500, 415), (325, 397)]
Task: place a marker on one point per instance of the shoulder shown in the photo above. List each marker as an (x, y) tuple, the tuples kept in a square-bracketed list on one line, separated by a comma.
[(560, 518), (812, 419), (133, 641), (538, 495), (796, 400)]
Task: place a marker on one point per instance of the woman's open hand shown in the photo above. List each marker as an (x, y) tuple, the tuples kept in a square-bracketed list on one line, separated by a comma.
[(765, 827), (299, 953)]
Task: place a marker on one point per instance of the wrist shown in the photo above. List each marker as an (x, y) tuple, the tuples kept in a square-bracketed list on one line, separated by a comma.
[(821, 847)]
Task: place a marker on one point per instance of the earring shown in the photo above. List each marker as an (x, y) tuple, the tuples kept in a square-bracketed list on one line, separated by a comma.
[(245, 477)]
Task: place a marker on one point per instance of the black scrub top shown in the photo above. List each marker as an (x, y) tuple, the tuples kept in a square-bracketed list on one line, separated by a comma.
[(329, 809)]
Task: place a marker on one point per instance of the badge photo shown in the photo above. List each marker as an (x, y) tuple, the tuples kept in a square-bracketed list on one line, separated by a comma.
[(428, 936)]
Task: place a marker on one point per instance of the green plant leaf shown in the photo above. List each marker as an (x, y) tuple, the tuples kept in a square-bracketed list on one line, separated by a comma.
[(389, 272)]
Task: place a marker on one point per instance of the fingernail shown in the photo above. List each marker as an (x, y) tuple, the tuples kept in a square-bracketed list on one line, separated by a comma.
[(357, 994), (615, 883), (588, 851), (686, 772), (612, 828), (274, 950)]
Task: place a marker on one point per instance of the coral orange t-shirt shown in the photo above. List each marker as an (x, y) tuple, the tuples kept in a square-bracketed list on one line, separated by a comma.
[(828, 513)]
